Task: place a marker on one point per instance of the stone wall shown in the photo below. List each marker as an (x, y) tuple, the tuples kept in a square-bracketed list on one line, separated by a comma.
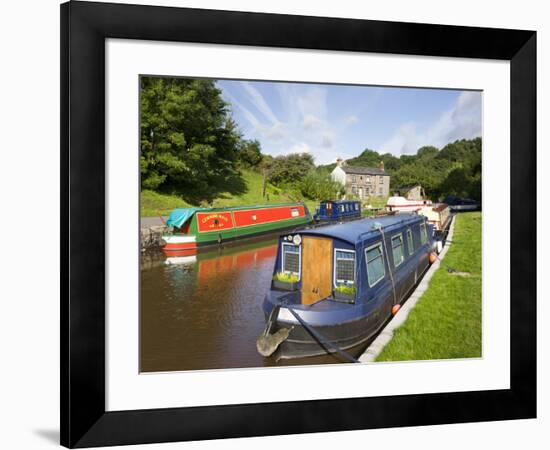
[(150, 237)]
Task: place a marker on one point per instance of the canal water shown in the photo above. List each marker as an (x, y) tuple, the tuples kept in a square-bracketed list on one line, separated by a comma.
[(203, 311)]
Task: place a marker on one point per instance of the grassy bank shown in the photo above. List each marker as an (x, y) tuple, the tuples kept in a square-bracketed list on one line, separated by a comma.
[(154, 203), (446, 322)]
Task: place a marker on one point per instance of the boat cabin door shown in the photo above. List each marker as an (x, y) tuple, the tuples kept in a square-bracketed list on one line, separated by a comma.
[(316, 269)]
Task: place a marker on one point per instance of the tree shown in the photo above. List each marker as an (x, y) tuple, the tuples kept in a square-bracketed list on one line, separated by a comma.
[(317, 185), (189, 143), (290, 168), (250, 153)]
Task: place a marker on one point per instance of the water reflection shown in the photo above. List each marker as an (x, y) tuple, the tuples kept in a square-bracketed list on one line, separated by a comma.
[(203, 311)]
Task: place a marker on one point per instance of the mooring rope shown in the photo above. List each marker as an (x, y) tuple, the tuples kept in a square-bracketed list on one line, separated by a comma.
[(321, 339), (389, 267)]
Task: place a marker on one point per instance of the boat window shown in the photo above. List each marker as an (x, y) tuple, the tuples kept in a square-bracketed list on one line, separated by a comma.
[(397, 249), (344, 267), (375, 264), (410, 243), (294, 212), (341, 208), (291, 259), (423, 234)]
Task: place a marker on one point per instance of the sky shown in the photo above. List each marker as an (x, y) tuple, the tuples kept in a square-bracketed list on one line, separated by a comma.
[(340, 121)]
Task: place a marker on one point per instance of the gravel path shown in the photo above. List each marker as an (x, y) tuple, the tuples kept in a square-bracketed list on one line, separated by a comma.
[(147, 222)]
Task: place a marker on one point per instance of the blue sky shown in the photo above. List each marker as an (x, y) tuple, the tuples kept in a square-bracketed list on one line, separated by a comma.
[(331, 121)]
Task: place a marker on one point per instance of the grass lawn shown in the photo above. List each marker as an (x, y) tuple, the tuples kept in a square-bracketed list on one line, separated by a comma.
[(446, 321), (153, 203)]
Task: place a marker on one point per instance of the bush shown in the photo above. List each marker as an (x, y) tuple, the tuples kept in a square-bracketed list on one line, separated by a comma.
[(319, 186)]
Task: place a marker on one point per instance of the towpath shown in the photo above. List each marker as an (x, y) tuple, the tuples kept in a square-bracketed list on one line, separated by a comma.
[(147, 222)]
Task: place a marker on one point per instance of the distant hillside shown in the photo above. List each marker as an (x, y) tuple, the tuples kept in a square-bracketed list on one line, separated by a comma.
[(453, 170)]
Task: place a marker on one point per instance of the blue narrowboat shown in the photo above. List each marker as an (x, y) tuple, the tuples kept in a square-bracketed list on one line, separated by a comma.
[(337, 210), (334, 287)]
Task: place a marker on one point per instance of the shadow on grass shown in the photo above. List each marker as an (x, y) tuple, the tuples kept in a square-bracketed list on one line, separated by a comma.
[(205, 193)]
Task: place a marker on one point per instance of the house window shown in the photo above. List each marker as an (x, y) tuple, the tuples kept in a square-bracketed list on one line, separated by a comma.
[(367, 179), (353, 179), (381, 190), (410, 243), (291, 259), (344, 267), (423, 234), (375, 264), (397, 250)]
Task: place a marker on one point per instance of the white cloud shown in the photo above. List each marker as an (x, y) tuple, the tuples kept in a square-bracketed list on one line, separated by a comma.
[(301, 147), (276, 132), (352, 120), (313, 102), (259, 102), (462, 121), (311, 122), (327, 140)]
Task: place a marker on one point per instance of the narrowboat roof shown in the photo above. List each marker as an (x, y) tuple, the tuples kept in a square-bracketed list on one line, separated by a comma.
[(181, 215), (340, 201), (360, 230)]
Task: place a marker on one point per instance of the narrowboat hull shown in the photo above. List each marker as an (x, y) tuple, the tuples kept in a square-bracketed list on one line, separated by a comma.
[(345, 336), (218, 226), (462, 208)]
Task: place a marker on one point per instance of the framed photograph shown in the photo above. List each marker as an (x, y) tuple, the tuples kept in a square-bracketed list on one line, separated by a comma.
[(277, 224)]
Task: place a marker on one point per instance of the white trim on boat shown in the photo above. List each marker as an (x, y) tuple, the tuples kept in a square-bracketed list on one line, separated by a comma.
[(173, 239)]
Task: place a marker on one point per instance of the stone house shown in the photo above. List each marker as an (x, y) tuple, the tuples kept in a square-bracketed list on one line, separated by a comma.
[(362, 182)]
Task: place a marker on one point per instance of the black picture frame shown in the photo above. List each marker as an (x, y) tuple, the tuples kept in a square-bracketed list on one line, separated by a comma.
[(84, 28)]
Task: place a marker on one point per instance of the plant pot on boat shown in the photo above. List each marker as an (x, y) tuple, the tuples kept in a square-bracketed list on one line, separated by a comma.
[(285, 281), (344, 293)]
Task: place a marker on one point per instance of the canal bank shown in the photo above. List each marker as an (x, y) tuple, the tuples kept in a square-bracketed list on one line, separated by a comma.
[(446, 323), (386, 335)]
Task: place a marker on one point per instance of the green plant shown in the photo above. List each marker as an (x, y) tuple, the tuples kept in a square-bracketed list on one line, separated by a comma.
[(345, 289), (285, 277)]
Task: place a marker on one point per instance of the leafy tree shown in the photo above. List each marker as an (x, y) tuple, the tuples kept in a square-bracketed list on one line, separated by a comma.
[(189, 143), (250, 153), (290, 168), (317, 185)]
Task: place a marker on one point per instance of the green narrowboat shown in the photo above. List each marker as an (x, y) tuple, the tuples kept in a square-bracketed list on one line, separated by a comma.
[(192, 228)]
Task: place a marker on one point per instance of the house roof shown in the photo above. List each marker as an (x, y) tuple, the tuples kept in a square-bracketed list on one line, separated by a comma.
[(363, 170)]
